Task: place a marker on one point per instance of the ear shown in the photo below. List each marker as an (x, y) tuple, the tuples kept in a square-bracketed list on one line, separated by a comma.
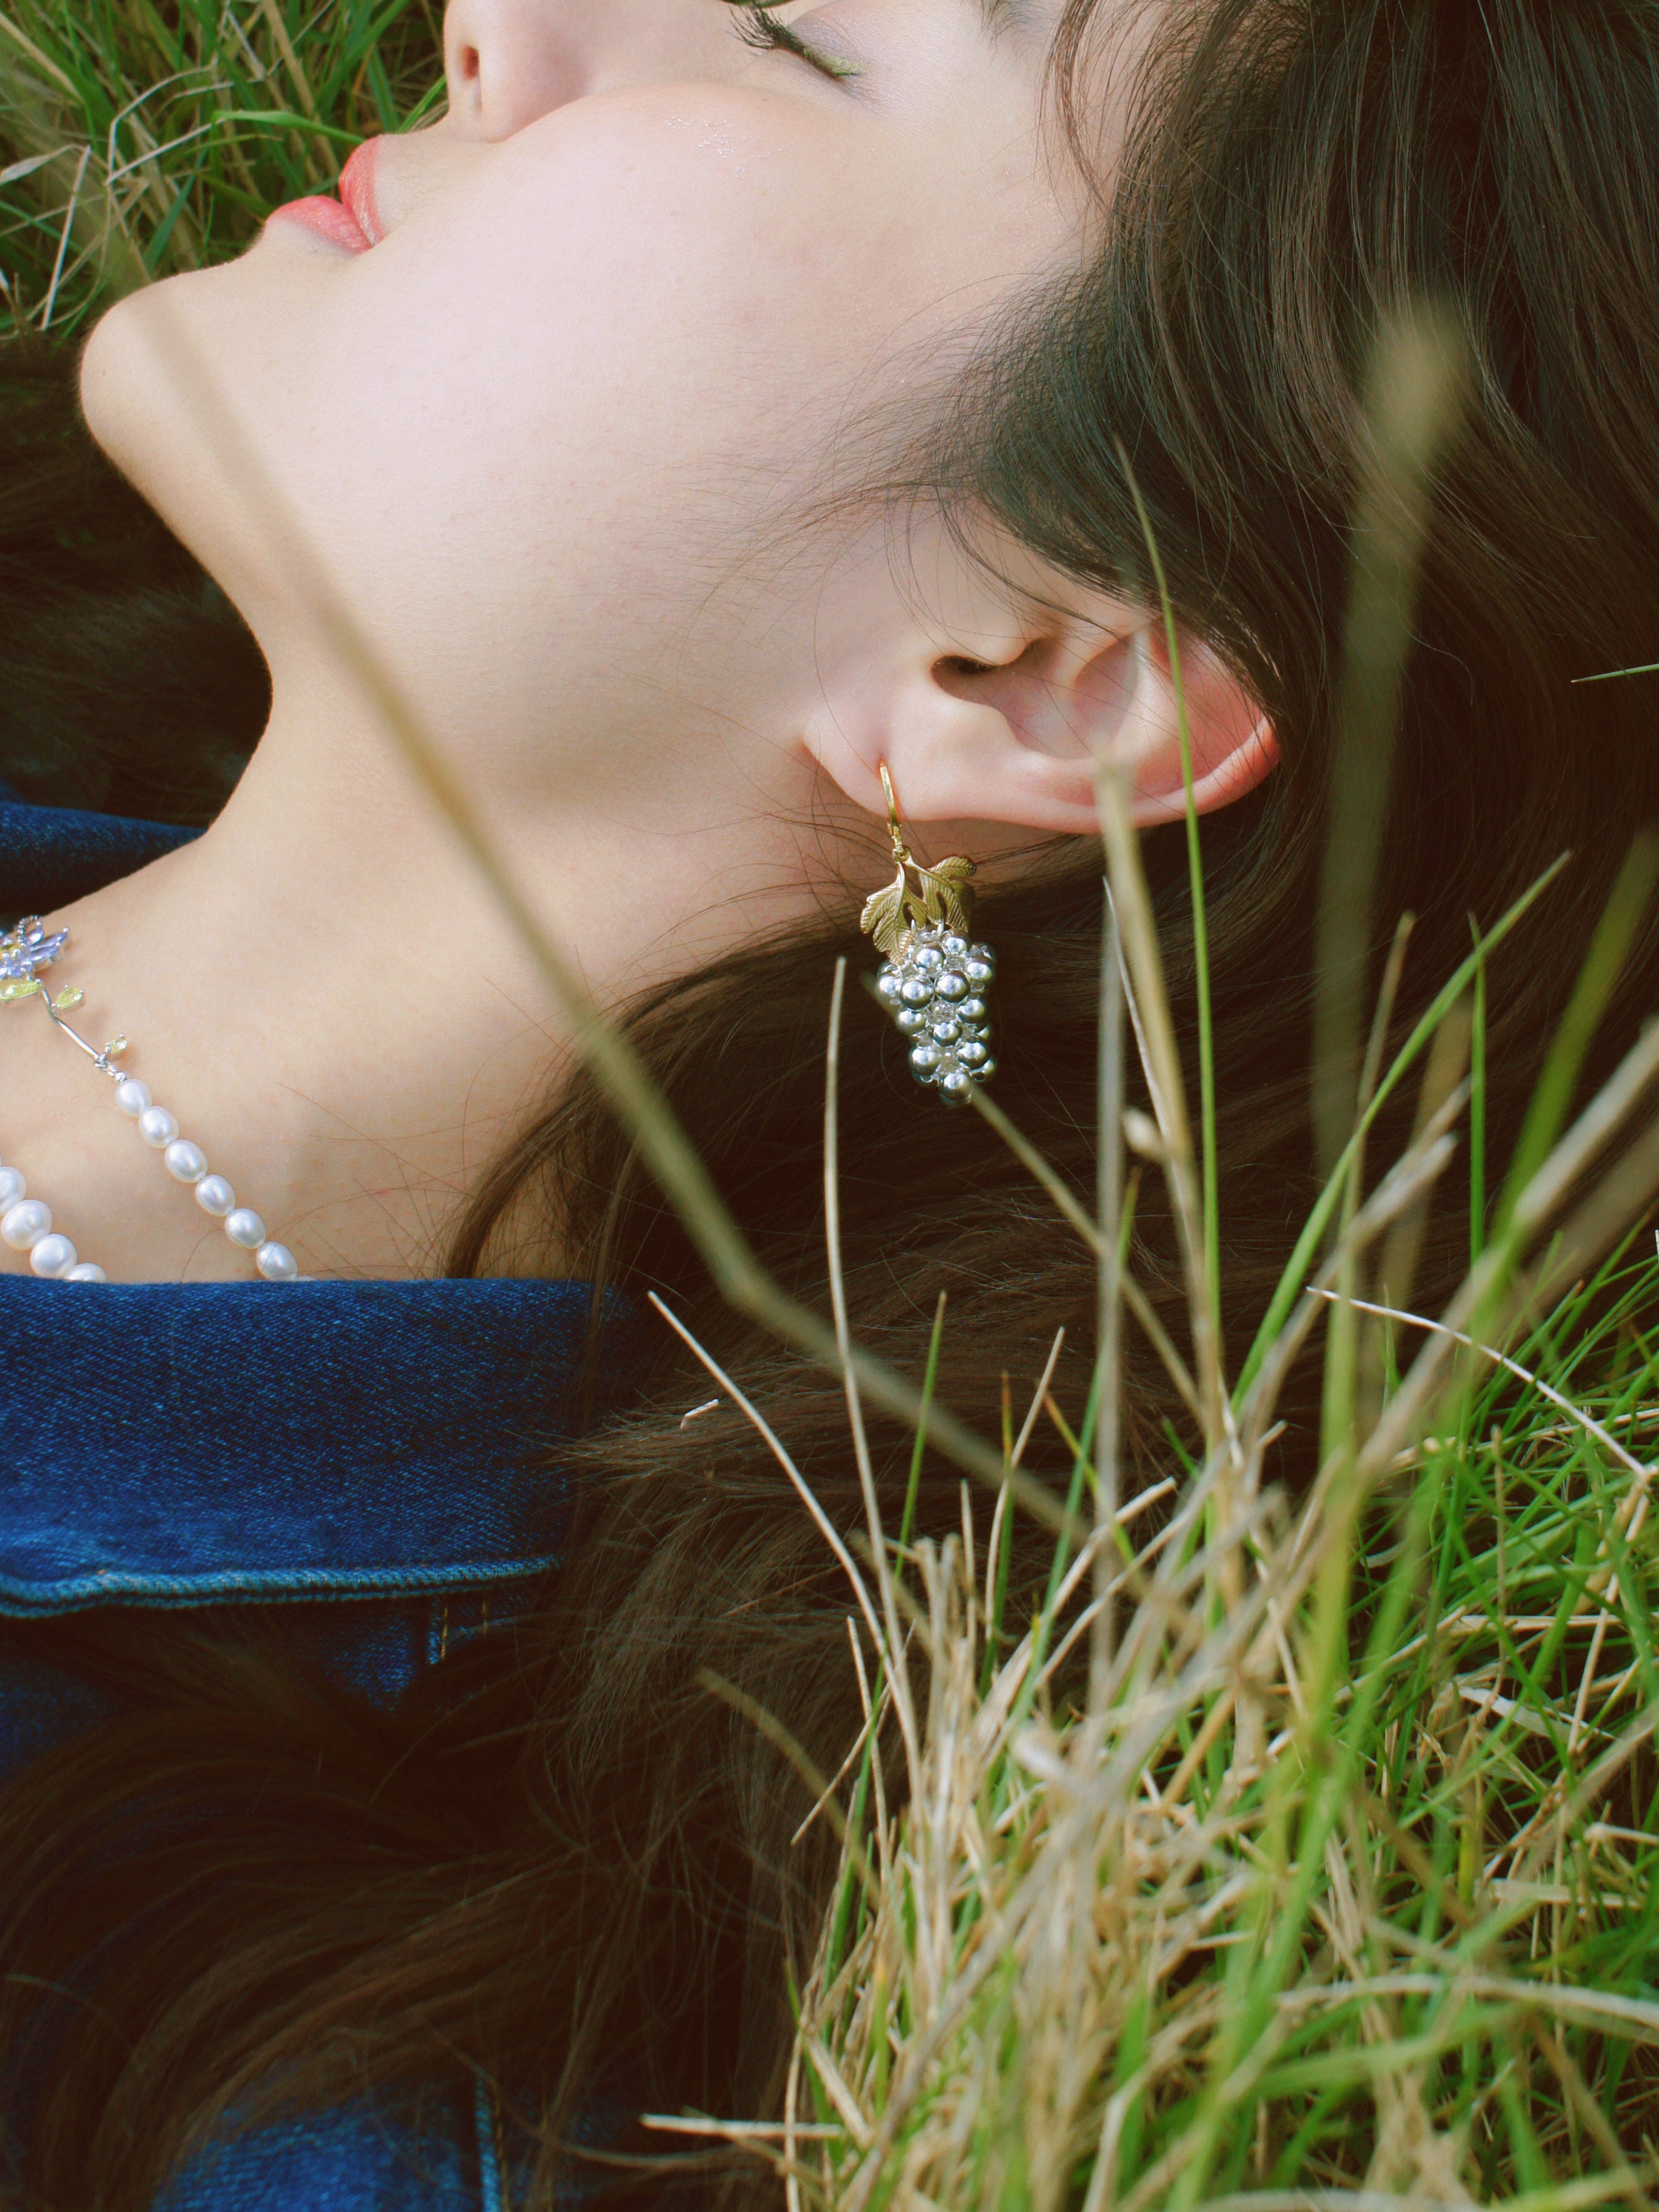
[(1013, 738)]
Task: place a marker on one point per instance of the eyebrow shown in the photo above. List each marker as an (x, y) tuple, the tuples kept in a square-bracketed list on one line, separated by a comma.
[(1000, 15)]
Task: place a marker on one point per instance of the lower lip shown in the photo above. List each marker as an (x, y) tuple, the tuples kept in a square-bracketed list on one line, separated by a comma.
[(325, 218)]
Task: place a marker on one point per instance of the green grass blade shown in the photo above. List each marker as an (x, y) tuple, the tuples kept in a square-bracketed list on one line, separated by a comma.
[(1627, 905), (1312, 1236), (1200, 927)]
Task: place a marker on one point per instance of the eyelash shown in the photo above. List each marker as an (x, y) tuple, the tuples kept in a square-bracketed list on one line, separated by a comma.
[(758, 27)]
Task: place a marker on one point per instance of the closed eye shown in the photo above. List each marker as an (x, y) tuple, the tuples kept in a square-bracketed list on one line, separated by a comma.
[(758, 26)]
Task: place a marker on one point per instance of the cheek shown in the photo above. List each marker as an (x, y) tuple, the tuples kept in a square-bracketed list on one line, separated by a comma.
[(641, 270), (568, 382), (587, 348)]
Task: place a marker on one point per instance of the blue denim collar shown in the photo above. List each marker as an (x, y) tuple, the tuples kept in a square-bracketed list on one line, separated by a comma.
[(180, 1444), (51, 855)]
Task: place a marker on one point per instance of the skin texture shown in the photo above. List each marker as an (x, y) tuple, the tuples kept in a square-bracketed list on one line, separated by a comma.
[(555, 448)]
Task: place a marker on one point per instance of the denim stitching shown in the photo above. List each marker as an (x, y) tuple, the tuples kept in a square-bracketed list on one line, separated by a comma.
[(269, 1585)]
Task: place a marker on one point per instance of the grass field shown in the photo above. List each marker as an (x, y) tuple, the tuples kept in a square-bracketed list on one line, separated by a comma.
[(1331, 1880), (137, 139), (1343, 1877)]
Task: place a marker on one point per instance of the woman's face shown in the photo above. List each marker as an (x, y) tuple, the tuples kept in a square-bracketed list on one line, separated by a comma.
[(618, 307)]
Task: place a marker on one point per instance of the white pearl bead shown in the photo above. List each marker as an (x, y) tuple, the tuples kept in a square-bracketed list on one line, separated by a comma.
[(157, 1126), (52, 1255), (185, 1161), (277, 1263), (244, 1227), (25, 1224), (214, 1195), (14, 1185), (88, 1270), (132, 1096)]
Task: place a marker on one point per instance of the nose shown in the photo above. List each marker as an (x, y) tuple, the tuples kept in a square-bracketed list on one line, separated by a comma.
[(510, 62)]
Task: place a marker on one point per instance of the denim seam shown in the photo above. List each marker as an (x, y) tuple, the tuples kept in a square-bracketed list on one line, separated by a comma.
[(268, 1585)]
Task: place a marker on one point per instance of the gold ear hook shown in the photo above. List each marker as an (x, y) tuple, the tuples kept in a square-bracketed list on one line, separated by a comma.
[(901, 850)]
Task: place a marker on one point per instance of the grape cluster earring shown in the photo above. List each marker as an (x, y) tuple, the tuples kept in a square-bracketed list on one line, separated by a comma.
[(25, 1223), (934, 979)]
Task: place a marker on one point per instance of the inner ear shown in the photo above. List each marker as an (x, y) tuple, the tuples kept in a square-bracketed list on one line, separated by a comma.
[(1051, 703), (1070, 698)]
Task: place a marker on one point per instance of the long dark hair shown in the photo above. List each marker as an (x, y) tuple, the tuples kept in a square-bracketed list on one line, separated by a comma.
[(561, 1861)]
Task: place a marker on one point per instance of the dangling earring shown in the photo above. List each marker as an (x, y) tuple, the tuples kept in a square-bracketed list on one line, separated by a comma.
[(934, 982)]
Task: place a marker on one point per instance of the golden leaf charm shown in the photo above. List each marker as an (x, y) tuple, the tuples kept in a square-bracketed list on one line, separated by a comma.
[(946, 895), (69, 999), (883, 913), (939, 896), (26, 989)]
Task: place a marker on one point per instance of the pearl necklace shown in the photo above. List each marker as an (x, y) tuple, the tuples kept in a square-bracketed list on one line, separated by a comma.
[(26, 1222)]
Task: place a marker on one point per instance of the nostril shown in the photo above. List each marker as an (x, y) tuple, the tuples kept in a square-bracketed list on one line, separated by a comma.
[(469, 65)]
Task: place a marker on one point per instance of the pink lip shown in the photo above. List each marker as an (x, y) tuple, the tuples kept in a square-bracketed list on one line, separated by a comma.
[(353, 221), (327, 218), (358, 190)]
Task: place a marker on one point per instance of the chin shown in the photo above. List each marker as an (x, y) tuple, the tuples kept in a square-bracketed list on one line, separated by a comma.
[(135, 378), (117, 366), (152, 412)]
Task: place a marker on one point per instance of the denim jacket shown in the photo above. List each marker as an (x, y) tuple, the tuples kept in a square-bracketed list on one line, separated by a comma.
[(352, 1452)]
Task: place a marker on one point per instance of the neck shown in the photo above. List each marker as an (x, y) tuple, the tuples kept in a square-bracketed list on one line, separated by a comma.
[(325, 992)]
